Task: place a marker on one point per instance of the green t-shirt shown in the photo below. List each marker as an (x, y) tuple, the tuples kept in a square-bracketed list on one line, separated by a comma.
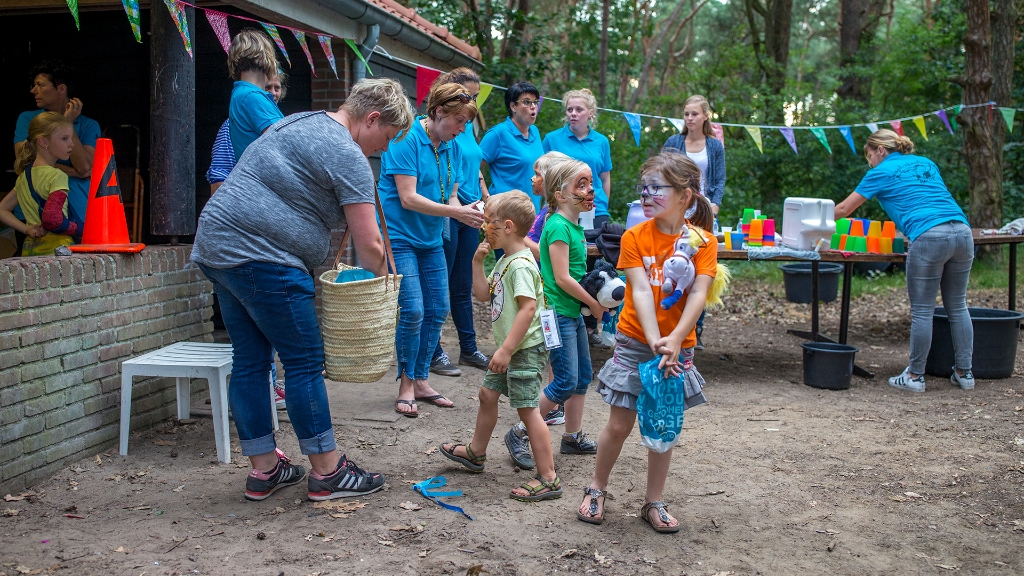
[(515, 275), (559, 229)]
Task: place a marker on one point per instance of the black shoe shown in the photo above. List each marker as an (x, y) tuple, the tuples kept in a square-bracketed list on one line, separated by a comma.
[(347, 480), (476, 360), (700, 344), (518, 444), (443, 366), (580, 444), (284, 474)]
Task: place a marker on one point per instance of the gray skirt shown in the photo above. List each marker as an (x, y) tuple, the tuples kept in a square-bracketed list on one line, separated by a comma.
[(619, 380)]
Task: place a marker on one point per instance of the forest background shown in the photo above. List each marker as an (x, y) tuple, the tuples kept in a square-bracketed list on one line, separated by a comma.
[(772, 62)]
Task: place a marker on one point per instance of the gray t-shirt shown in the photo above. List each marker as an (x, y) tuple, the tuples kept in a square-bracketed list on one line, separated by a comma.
[(284, 196)]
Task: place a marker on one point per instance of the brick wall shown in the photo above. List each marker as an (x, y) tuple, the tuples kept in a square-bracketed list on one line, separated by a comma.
[(329, 93), (66, 324)]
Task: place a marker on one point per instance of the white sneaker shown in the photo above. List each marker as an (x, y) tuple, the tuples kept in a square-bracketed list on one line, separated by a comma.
[(279, 396), (905, 382), (966, 381)]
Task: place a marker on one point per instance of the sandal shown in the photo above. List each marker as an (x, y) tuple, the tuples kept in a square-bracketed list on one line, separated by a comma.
[(436, 400), (554, 490), (662, 509), (593, 517), (473, 462), (414, 413)]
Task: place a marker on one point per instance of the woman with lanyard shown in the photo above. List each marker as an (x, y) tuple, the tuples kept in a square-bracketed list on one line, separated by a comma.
[(911, 191), (511, 148), (419, 180), (461, 244)]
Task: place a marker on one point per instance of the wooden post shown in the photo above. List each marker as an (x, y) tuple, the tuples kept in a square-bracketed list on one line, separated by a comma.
[(172, 104)]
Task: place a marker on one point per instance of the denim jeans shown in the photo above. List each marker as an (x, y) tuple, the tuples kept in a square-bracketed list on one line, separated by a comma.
[(266, 307), (570, 365), (458, 253), (423, 299), (940, 259)]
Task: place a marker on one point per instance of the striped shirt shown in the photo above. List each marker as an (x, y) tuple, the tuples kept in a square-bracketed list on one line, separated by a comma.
[(223, 157)]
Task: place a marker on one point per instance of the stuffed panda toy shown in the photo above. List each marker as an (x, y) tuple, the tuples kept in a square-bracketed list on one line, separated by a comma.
[(604, 284)]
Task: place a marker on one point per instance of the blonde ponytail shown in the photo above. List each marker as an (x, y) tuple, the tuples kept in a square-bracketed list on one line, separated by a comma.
[(891, 141), (42, 126), (703, 216)]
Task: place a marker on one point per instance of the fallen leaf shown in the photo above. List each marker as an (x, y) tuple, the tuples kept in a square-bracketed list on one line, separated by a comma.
[(121, 550), (948, 567), (22, 569), (602, 560), (431, 450), (385, 542), (407, 505), (912, 495), (9, 498), (416, 528), (328, 538), (79, 469), (98, 461), (179, 488), (116, 478), (11, 512), (569, 553), (897, 498)]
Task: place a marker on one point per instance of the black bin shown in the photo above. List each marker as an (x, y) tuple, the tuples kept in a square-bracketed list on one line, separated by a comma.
[(797, 278), (995, 343), (828, 365)]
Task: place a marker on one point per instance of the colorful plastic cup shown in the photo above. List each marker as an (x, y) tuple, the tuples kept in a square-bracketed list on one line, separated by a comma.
[(834, 244), (888, 229), (737, 240), (842, 241), (860, 244), (748, 215), (756, 229), (728, 241), (875, 229), (843, 226), (898, 246), (885, 244), (856, 228), (768, 228), (873, 244)]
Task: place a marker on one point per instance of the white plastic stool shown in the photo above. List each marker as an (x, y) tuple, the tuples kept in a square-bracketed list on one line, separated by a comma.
[(185, 360)]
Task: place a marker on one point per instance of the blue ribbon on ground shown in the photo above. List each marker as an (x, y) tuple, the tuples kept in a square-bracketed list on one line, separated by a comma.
[(426, 489)]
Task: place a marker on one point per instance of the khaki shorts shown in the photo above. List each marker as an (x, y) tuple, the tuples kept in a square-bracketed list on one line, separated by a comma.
[(522, 382)]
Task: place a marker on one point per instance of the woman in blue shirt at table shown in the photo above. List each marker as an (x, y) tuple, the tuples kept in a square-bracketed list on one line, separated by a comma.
[(911, 191), (420, 175), (511, 148), (580, 141)]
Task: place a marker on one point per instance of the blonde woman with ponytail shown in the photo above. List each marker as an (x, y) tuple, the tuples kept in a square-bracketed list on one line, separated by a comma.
[(42, 189), (911, 191)]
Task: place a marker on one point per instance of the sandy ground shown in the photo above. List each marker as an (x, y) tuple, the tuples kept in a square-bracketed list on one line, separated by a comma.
[(771, 477)]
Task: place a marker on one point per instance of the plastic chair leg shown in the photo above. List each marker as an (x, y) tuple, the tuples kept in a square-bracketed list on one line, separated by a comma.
[(219, 405), (126, 410), (184, 389)]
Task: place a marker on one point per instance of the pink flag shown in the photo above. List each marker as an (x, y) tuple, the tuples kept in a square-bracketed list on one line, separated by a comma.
[(897, 126), (325, 43), (716, 129), (219, 23), (788, 133), (424, 78), (301, 37)]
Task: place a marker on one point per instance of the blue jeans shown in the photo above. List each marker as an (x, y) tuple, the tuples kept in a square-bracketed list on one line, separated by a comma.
[(266, 307), (570, 364), (458, 253), (940, 258), (423, 300)]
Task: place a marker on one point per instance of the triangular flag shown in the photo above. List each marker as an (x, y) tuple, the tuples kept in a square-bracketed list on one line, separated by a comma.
[(897, 126), (73, 6), (919, 122), (272, 30), (219, 22), (945, 120), (755, 134), (485, 91), (790, 137), (131, 8), (679, 124), (178, 14), (872, 126), (1008, 114), (848, 134), (359, 54), (301, 37), (956, 112), (634, 124), (716, 129), (540, 101), (424, 78), (820, 133), (325, 43)]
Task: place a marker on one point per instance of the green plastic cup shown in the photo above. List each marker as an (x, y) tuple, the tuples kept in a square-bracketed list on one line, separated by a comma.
[(748, 215), (835, 241), (843, 226), (898, 246)]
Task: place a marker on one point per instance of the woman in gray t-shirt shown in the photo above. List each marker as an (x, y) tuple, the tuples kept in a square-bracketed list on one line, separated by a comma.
[(259, 238)]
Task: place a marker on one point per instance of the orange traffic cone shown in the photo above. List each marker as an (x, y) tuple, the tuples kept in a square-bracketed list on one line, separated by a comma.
[(106, 229)]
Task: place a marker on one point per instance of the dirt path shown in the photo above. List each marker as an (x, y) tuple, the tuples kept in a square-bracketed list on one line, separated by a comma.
[(771, 477)]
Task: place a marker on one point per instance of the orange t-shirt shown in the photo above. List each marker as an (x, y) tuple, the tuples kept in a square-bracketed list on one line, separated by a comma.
[(644, 245)]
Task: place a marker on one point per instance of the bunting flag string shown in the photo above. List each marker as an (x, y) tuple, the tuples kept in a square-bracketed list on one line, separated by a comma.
[(919, 122), (634, 124), (897, 126), (945, 120), (178, 14), (848, 135), (219, 22), (272, 30), (359, 54), (301, 37), (679, 124), (755, 135), (820, 133), (73, 7), (790, 137), (325, 44), (131, 9), (872, 127)]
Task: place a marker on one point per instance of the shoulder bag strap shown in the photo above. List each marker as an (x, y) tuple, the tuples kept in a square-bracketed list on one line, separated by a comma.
[(389, 255)]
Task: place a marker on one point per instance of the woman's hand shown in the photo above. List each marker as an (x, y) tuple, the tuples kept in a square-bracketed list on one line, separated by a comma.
[(73, 109), (470, 215)]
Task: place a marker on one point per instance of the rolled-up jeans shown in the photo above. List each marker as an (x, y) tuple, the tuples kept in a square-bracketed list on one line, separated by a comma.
[(940, 259), (265, 307), (423, 303)]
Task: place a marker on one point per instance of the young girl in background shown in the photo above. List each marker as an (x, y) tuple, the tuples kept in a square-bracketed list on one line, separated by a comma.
[(42, 189), (539, 168), (669, 185)]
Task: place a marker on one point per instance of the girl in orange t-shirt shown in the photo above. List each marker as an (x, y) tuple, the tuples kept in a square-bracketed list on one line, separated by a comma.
[(669, 186)]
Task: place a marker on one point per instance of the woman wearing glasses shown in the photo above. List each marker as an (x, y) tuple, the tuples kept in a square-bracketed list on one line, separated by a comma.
[(420, 175), (511, 148)]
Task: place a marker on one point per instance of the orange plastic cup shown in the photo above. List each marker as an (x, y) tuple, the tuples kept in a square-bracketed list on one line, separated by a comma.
[(888, 229), (885, 244), (842, 241), (874, 245), (875, 229), (856, 228), (756, 229)]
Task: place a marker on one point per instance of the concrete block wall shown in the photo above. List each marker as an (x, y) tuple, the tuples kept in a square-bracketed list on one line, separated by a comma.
[(66, 324)]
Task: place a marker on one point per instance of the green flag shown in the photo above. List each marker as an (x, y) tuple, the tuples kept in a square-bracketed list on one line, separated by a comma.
[(820, 133), (73, 6), (351, 44), (1008, 116)]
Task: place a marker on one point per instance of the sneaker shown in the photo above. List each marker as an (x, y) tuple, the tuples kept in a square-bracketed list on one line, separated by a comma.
[(966, 381), (518, 444), (476, 360), (443, 366), (595, 340), (556, 417), (348, 480), (279, 395), (578, 443), (700, 343), (260, 485), (905, 382)]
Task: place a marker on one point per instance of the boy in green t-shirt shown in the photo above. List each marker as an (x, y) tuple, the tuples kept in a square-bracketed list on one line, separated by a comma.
[(516, 293)]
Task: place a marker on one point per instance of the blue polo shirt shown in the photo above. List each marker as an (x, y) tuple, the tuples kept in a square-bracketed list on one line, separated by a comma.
[(510, 158), (593, 150), (414, 156), (88, 130), (469, 188), (911, 191), (252, 111)]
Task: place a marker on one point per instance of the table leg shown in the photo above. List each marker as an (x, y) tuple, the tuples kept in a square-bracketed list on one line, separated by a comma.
[(844, 312), (814, 300), (1013, 276)]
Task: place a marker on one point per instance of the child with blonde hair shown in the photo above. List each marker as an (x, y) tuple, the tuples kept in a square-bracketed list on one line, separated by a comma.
[(251, 63)]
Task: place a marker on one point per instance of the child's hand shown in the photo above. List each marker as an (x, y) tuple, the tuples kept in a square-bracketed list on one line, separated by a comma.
[(499, 361), (481, 252), (36, 231), (598, 311), (668, 347)]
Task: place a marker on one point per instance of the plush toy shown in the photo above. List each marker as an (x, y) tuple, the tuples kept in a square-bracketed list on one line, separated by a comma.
[(680, 273), (604, 284)]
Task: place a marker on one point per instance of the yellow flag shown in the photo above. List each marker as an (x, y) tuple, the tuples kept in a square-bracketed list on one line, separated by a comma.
[(919, 122), (485, 91), (755, 133)]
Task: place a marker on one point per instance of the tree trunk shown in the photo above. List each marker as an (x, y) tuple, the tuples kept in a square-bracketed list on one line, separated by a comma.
[(602, 83), (858, 21), (1005, 24), (656, 44), (772, 52)]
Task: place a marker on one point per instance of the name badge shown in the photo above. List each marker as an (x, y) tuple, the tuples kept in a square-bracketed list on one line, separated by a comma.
[(549, 326)]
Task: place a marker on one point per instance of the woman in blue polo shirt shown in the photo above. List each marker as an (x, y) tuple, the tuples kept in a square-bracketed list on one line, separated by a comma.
[(420, 175), (251, 62), (579, 140), (511, 148), (911, 191)]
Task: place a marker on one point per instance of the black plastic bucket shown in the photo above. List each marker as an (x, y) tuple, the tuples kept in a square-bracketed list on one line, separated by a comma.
[(828, 365), (797, 278), (995, 343)]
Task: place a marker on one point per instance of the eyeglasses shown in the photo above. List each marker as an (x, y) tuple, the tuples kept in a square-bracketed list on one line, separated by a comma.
[(646, 190), (463, 97), (529, 103)]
